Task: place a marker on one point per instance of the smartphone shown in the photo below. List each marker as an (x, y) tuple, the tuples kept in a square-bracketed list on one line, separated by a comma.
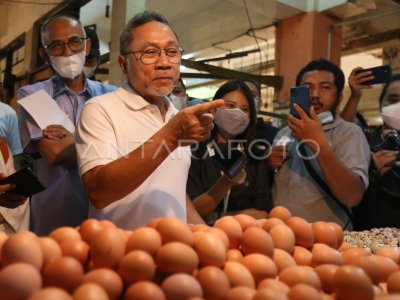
[(232, 161), (382, 74), (26, 183), (301, 96)]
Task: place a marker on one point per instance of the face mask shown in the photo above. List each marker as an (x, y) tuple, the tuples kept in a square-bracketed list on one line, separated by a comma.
[(68, 66), (325, 117), (231, 122), (89, 71), (179, 102), (257, 104), (391, 116)]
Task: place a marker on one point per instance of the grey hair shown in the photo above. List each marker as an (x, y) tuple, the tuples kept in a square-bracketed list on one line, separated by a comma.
[(54, 18), (140, 19)]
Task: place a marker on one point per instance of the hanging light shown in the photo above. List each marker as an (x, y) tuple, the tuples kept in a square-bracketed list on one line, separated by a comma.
[(108, 9)]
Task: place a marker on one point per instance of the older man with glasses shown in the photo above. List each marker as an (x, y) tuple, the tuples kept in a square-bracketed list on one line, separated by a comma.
[(132, 144), (63, 203)]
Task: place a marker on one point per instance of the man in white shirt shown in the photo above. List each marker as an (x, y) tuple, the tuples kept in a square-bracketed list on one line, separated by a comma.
[(132, 144)]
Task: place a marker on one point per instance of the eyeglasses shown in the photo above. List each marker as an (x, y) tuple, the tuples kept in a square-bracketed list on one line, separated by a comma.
[(57, 48), (150, 56)]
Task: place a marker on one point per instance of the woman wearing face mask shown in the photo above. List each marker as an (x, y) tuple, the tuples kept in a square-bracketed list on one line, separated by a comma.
[(381, 204), (249, 191)]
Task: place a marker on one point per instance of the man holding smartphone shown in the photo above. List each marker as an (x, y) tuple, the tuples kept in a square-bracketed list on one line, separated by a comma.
[(334, 149)]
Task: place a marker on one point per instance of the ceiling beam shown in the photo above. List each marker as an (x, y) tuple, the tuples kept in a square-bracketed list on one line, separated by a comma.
[(370, 41), (275, 81)]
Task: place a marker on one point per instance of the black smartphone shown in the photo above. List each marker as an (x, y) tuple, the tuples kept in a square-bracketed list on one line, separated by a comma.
[(26, 183), (301, 96), (231, 160), (382, 74)]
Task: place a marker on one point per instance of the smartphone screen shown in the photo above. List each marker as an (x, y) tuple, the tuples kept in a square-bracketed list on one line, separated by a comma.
[(232, 161), (382, 74), (301, 96)]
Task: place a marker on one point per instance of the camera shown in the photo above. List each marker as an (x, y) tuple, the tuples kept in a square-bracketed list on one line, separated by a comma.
[(392, 142)]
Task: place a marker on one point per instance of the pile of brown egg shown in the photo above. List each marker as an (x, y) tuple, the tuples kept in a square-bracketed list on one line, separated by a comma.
[(240, 258)]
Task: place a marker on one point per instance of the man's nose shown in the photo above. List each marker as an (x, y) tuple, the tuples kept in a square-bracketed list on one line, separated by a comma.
[(68, 51), (314, 92)]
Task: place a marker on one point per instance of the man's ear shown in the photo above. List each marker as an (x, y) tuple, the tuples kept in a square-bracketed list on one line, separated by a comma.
[(43, 54), (123, 63), (88, 45)]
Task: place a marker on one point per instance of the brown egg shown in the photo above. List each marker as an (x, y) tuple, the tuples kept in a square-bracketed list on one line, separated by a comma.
[(283, 238), (325, 233), (302, 231), (144, 238), (107, 248), (246, 221), (386, 266), (88, 229), (50, 248), (280, 212), (393, 282), (369, 266), (269, 294), (107, 224), (234, 255), (210, 249), (214, 282), (389, 252), (136, 266), (18, 281), (90, 291), (348, 255), (65, 233), (274, 284), (181, 287), (271, 222), (144, 290), (303, 292), (64, 272), (153, 223), (50, 293), (339, 233), (388, 297), (199, 227), (345, 246), (302, 256), (174, 230), (21, 247), (260, 266), (261, 222), (283, 259), (350, 282), (77, 249), (257, 240), (300, 274), (325, 274), (220, 234), (238, 275), (176, 257), (323, 254), (240, 293), (3, 238), (108, 279), (233, 230)]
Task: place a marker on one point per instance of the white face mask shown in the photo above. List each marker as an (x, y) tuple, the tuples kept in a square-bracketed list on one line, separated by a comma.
[(179, 102), (89, 71), (231, 122), (391, 115), (68, 66)]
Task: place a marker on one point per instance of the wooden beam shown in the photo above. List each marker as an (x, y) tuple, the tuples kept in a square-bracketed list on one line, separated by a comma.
[(370, 41), (275, 81)]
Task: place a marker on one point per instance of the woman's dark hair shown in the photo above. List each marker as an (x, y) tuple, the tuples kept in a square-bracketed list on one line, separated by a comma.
[(323, 65), (249, 134), (382, 96)]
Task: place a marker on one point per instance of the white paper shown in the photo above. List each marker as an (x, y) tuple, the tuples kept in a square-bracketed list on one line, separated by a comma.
[(45, 111)]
